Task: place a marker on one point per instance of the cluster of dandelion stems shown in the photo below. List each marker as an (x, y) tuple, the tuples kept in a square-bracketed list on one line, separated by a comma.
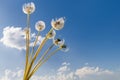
[(30, 68)]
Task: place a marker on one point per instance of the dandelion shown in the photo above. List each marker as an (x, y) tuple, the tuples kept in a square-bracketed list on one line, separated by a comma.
[(40, 25), (58, 24), (58, 42), (51, 34), (28, 8), (64, 48), (31, 55)]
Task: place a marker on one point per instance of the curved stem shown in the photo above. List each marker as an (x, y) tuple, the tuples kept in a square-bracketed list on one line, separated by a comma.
[(45, 53), (41, 63), (37, 52), (43, 56)]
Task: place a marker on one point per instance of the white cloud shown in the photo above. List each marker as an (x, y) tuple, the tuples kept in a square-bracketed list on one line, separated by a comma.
[(14, 37), (84, 73), (65, 63), (64, 67), (12, 75)]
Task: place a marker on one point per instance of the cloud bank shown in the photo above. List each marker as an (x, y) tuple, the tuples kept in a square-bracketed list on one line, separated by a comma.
[(14, 37), (64, 72)]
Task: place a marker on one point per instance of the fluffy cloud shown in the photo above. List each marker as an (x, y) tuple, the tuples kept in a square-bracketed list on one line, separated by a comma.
[(63, 69), (86, 71), (14, 37), (12, 75), (65, 73)]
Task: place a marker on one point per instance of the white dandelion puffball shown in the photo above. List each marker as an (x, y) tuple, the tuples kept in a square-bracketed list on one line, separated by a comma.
[(40, 26), (28, 8), (58, 23), (51, 34)]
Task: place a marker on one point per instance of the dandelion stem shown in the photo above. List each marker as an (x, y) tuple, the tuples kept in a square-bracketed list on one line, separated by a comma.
[(27, 44), (41, 63), (35, 42), (45, 53), (37, 52), (43, 56)]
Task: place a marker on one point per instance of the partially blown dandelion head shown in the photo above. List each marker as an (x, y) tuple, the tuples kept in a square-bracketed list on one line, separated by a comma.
[(51, 34), (28, 8), (58, 42), (40, 25), (58, 23), (64, 48)]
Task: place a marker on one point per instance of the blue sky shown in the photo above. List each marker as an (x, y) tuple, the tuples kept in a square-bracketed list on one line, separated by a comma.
[(92, 32)]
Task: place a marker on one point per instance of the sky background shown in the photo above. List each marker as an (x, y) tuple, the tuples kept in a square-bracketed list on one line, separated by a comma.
[(92, 32)]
